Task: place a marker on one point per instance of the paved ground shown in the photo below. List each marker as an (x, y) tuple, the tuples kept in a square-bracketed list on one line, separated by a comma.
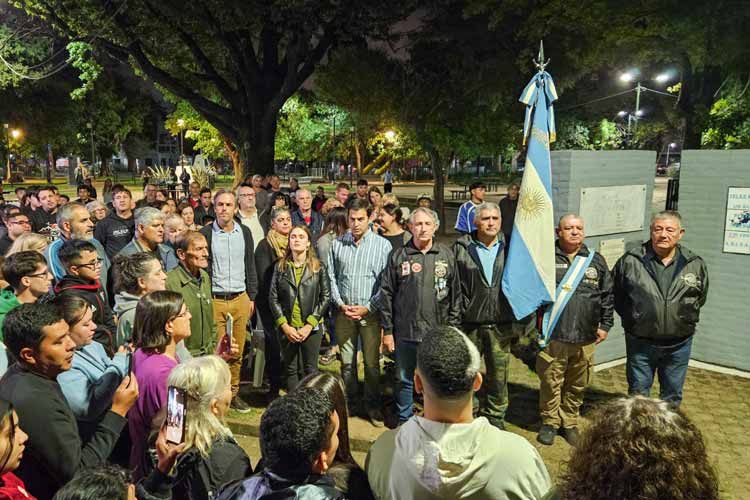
[(717, 403)]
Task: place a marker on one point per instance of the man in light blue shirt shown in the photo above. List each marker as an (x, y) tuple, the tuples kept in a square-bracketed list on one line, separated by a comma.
[(355, 265)]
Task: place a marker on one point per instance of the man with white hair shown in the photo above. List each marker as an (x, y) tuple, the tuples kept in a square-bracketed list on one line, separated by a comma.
[(304, 215), (660, 288), (420, 290), (448, 453), (149, 238)]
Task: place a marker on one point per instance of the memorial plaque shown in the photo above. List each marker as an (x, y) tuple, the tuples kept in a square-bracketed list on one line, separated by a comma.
[(737, 223), (611, 250), (613, 209)]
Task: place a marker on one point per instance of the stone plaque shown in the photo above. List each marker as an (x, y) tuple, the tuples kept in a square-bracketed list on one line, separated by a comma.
[(611, 250), (737, 223), (613, 209)]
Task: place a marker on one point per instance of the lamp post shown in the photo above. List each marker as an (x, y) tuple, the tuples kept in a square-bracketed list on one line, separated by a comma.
[(670, 147), (6, 126), (90, 126), (351, 159), (633, 75), (181, 124)]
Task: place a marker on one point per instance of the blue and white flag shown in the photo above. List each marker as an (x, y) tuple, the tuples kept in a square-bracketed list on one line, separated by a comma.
[(529, 277)]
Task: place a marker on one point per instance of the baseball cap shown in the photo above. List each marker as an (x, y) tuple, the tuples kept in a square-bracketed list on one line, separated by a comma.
[(423, 196)]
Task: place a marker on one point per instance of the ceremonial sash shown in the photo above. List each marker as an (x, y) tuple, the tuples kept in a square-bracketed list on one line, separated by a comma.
[(564, 292)]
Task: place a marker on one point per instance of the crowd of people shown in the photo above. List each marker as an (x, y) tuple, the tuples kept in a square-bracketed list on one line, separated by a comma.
[(107, 304)]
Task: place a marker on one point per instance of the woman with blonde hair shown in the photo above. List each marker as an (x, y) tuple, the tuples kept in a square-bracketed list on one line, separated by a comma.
[(212, 458), (299, 296), (28, 241)]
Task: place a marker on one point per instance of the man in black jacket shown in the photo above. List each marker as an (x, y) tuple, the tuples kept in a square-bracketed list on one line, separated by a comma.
[(659, 290), (487, 318), (565, 366), (234, 282), (420, 290), (38, 338)]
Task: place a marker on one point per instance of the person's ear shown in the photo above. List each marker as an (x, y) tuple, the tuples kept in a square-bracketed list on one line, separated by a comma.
[(141, 283), (169, 327), (180, 254), (25, 282), (131, 492), (477, 382), (418, 384), (320, 463), (214, 407), (26, 355)]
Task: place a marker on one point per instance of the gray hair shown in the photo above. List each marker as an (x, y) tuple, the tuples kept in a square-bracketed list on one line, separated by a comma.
[(667, 214), (257, 176), (65, 212), (277, 211), (486, 205), (94, 205), (174, 220), (426, 211), (147, 215), (565, 216)]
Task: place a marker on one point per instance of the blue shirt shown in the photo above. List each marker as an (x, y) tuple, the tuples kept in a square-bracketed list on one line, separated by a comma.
[(355, 270), (487, 257), (228, 263), (465, 219)]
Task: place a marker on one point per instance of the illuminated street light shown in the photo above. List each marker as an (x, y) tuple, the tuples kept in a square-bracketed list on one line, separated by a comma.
[(627, 77), (622, 113), (639, 113), (662, 78), (16, 133), (390, 135)]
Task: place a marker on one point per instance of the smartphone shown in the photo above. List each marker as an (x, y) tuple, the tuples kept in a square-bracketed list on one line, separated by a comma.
[(229, 331), (176, 414), (129, 363)]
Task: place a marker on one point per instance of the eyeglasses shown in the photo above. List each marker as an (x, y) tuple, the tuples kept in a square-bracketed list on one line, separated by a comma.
[(44, 275), (21, 222), (93, 265)]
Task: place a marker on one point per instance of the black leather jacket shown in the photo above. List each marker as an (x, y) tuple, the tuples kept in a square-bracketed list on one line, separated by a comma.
[(482, 303), (313, 292), (591, 305), (419, 292), (646, 313)]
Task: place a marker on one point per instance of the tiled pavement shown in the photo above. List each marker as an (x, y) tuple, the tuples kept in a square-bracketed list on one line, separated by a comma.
[(719, 404)]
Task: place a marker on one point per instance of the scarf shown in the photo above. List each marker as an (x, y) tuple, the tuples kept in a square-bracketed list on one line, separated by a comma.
[(278, 242)]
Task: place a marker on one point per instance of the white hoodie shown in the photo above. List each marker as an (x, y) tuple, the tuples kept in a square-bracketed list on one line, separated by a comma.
[(428, 460)]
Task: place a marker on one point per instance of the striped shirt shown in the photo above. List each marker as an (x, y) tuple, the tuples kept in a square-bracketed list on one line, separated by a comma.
[(355, 270), (465, 219)]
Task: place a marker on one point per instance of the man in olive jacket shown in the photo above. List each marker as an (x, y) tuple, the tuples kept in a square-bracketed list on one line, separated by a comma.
[(487, 318), (191, 280), (659, 290), (419, 291)]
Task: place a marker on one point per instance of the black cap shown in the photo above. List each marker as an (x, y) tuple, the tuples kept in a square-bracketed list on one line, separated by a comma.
[(477, 184)]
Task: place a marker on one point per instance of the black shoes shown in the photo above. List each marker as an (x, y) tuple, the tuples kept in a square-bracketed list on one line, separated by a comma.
[(571, 435), (546, 435), (239, 405)]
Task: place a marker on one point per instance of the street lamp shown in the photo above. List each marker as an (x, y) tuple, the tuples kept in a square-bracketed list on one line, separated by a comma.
[(351, 160), (390, 135), (670, 147), (6, 126), (90, 126), (181, 124), (633, 75)]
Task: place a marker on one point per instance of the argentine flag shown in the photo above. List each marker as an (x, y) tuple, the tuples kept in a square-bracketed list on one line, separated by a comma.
[(529, 276)]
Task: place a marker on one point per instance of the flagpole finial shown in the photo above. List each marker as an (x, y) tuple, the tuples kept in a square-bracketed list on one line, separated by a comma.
[(540, 63)]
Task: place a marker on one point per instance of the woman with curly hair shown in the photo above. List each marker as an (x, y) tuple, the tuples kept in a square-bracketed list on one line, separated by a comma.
[(639, 448)]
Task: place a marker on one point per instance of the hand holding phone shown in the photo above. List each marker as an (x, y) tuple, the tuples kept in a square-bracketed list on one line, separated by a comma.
[(176, 415)]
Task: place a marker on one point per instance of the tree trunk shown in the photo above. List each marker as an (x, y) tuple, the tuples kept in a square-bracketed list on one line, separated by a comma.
[(358, 156), (237, 164), (438, 190)]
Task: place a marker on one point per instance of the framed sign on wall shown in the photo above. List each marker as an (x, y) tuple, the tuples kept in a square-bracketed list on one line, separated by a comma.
[(737, 222)]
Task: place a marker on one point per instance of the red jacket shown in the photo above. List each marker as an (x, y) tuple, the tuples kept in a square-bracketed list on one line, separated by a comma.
[(12, 488)]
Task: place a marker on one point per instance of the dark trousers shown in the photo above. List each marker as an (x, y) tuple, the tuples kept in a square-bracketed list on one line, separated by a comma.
[(273, 349), (388, 187), (299, 359), (644, 360)]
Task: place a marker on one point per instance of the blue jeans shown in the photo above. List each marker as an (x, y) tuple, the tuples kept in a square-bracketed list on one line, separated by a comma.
[(406, 362), (671, 363)]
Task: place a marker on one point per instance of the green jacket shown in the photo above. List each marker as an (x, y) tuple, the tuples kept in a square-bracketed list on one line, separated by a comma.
[(8, 301), (199, 301)]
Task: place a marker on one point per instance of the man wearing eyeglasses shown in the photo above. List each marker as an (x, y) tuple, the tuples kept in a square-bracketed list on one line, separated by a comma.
[(26, 273), (17, 223), (83, 272)]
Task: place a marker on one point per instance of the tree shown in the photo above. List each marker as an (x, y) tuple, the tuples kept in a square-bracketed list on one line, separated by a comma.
[(236, 63), (705, 41)]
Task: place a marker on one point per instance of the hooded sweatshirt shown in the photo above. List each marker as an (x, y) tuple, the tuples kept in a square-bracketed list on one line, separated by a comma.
[(8, 301), (432, 460)]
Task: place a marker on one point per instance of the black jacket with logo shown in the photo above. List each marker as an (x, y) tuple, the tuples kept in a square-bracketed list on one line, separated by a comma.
[(482, 303), (313, 293), (591, 305), (648, 314), (419, 292)]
